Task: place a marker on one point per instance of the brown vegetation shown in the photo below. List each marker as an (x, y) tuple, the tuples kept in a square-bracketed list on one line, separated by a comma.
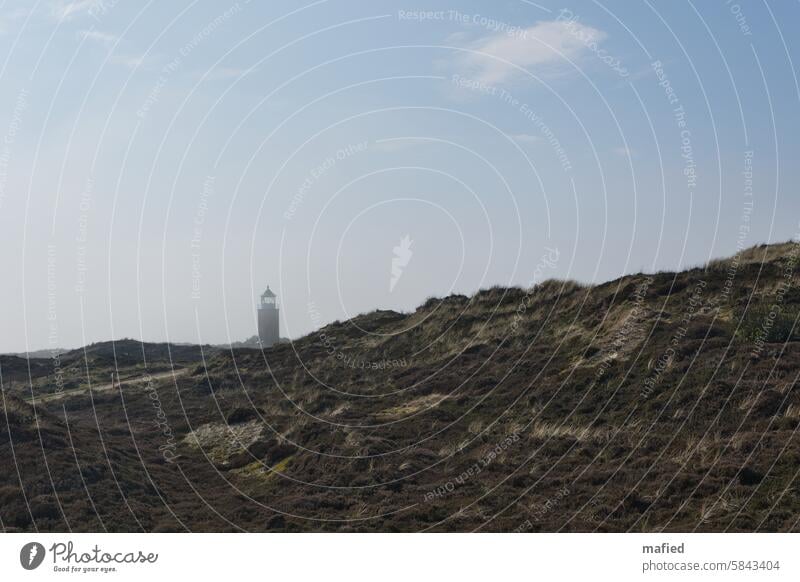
[(641, 404)]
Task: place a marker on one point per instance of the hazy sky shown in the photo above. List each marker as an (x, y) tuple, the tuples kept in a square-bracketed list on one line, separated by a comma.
[(161, 163)]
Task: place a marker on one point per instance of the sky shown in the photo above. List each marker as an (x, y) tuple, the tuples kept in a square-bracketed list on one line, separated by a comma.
[(161, 163)]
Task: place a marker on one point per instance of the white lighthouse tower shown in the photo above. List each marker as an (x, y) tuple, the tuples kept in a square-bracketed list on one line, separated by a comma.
[(268, 323)]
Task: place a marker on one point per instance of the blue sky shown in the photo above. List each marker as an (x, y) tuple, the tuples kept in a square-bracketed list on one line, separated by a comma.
[(163, 162)]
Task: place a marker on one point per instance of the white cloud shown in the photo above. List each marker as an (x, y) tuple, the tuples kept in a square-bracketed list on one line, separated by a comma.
[(98, 36), (127, 61), (545, 44), (64, 10)]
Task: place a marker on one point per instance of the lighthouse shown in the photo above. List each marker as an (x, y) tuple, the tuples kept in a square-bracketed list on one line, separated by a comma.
[(268, 325)]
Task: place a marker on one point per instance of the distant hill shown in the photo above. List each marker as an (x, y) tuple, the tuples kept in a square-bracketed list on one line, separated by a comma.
[(664, 402), (252, 342), (38, 354)]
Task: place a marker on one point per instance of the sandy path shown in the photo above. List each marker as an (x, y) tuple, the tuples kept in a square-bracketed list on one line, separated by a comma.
[(109, 386)]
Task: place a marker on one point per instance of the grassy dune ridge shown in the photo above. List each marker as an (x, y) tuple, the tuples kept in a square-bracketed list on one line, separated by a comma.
[(652, 402)]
